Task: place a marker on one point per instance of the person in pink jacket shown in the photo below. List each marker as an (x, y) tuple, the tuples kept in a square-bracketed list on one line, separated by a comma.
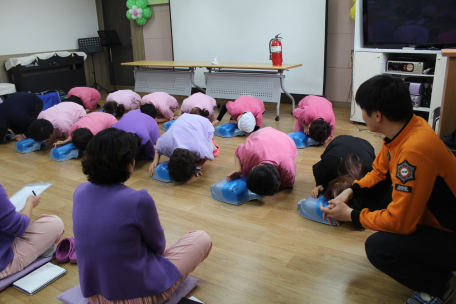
[(199, 101), (55, 123), (121, 101), (165, 104), (314, 115), (87, 127), (89, 97), (243, 104), (267, 158)]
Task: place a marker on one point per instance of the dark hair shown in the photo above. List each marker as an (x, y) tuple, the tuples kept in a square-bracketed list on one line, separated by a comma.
[(81, 138), (75, 99), (182, 165), (149, 109), (109, 156), (40, 129), (3, 129), (319, 130), (338, 185), (200, 112), (355, 172), (112, 107), (387, 94), (354, 168), (264, 180)]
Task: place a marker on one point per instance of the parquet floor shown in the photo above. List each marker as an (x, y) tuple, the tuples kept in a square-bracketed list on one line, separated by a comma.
[(263, 251)]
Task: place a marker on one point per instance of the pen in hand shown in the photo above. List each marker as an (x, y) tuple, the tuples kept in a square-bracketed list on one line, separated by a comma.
[(33, 192)]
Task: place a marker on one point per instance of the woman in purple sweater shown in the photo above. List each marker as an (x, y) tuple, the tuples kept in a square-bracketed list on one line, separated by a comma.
[(119, 240), (142, 123), (21, 242)]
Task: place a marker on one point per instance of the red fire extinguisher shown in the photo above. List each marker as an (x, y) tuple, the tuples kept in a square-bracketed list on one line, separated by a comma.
[(275, 51)]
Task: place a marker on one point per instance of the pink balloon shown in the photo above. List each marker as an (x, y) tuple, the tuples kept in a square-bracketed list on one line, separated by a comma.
[(135, 13)]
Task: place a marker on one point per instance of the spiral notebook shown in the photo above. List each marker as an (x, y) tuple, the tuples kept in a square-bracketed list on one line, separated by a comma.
[(40, 278)]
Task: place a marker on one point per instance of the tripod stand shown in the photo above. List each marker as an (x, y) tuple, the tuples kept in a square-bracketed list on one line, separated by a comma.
[(91, 46), (108, 39)]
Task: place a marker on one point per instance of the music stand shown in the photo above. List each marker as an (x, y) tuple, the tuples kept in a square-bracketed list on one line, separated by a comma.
[(91, 46), (109, 39)]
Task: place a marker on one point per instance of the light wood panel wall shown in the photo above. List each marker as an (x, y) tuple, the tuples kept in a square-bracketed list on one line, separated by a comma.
[(137, 41), (447, 122)]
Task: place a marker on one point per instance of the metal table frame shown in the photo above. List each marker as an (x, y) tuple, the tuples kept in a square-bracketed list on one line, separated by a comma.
[(190, 68), (254, 73)]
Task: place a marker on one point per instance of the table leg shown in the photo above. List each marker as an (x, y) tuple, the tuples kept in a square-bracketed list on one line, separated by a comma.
[(285, 91)]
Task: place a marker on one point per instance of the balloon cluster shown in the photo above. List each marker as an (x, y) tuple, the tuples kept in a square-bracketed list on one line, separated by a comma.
[(353, 11), (138, 10)]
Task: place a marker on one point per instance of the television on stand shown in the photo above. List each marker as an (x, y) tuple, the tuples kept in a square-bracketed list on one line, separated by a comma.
[(419, 24)]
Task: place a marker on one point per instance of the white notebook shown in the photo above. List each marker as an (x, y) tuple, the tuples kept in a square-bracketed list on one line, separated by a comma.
[(40, 278), (20, 197)]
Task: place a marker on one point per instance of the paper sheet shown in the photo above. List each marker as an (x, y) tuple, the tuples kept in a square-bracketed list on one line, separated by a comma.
[(20, 197)]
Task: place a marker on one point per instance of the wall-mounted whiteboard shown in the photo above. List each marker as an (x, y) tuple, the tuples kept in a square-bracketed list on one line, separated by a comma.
[(240, 31), (30, 26)]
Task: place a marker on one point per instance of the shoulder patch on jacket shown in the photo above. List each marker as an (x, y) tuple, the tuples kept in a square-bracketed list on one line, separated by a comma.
[(405, 172), (403, 188)]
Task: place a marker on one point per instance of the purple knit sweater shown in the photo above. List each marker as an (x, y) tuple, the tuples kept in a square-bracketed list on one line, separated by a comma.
[(119, 241), (145, 127), (12, 225)]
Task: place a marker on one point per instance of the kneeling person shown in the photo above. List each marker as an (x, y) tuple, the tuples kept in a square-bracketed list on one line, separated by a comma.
[(55, 123), (17, 112), (165, 104), (246, 112), (416, 242), (86, 128), (267, 158), (188, 143), (144, 126)]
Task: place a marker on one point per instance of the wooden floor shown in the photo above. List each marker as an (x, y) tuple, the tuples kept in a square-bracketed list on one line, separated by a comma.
[(263, 251)]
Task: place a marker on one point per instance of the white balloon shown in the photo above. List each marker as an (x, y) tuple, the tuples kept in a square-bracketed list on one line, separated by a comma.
[(130, 11), (134, 17), (139, 10), (139, 16), (134, 7)]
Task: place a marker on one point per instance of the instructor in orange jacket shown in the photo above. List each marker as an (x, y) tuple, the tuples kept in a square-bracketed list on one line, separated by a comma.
[(416, 242)]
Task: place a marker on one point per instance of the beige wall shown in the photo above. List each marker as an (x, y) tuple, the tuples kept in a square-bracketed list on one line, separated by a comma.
[(157, 34), (341, 29), (158, 45)]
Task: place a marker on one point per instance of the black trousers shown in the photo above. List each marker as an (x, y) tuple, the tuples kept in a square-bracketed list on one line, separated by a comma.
[(37, 109), (422, 261)]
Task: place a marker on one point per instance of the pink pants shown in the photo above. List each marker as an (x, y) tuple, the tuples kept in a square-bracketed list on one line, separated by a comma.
[(39, 237), (188, 252), (215, 148)]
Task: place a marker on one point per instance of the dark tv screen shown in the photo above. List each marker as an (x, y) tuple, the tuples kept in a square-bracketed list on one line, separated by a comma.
[(398, 23)]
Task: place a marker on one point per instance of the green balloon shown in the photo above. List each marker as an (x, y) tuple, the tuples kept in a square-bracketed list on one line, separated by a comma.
[(147, 13), (141, 3), (129, 16), (130, 3), (141, 21)]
